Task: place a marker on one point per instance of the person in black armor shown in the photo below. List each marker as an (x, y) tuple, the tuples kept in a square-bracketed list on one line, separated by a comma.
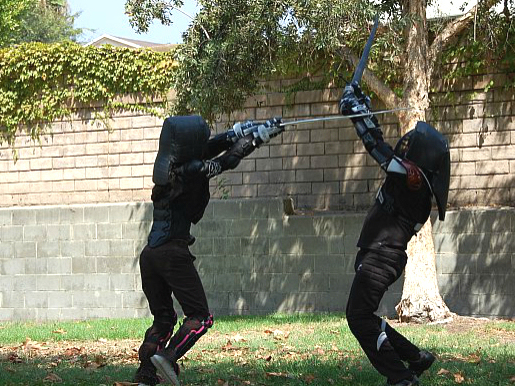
[(417, 170), (185, 162)]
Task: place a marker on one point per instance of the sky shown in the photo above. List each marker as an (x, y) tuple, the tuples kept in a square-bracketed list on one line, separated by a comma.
[(108, 17)]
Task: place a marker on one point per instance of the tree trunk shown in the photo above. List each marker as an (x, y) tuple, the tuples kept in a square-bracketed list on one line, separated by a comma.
[(421, 300)]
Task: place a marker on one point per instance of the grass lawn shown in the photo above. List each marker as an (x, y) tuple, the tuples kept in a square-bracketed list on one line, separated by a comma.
[(259, 350)]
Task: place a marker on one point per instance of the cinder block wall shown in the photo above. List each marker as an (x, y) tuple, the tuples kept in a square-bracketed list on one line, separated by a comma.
[(81, 261), (320, 165)]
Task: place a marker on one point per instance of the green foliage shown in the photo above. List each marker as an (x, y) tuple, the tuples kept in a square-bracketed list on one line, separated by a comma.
[(34, 21), (40, 83), (231, 45), (488, 44)]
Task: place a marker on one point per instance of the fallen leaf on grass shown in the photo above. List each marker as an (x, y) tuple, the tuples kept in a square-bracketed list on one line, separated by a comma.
[(442, 372), (279, 375), (125, 384), (222, 382), (72, 351), (238, 338), (14, 358), (59, 331), (30, 344), (459, 378), (309, 378), (512, 379), (53, 378)]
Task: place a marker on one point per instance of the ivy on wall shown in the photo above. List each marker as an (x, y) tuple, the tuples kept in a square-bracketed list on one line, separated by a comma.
[(41, 83)]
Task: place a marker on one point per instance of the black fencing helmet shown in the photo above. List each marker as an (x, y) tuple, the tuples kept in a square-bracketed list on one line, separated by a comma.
[(429, 150), (182, 139)]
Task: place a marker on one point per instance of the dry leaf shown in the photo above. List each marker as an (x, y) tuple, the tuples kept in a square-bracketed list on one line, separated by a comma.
[(459, 378), (222, 382), (59, 331), (125, 384), (280, 375), (238, 338), (442, 372), (512, 379), (54, 378), (309, 378)]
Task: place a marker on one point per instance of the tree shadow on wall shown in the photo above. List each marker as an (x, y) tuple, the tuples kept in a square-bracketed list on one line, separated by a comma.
[(475, 249)]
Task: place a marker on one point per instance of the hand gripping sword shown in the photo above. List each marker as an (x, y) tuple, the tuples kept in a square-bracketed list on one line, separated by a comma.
[(356, 78)]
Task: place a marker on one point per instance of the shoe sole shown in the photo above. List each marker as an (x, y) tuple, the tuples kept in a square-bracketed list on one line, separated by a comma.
[(166, 369)]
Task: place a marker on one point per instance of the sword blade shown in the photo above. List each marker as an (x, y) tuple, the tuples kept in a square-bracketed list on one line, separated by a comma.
[(311, 120), (358, 72)]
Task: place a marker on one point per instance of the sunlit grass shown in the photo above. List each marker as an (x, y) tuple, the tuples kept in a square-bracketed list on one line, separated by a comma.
[(300, 349)]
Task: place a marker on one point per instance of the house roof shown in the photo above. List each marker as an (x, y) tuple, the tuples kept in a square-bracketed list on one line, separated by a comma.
[(130, 43)]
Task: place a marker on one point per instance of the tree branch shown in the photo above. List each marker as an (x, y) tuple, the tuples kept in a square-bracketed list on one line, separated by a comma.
[(450, 32), (384, 92)]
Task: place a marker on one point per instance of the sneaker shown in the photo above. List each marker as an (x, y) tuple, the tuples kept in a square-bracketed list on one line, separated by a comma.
[(405, 382), (168, 369), (422, 364)]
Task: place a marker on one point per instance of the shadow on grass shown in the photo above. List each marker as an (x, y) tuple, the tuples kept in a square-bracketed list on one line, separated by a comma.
[(311, 370)]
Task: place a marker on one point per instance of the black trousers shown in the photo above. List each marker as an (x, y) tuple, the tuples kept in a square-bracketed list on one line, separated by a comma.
[(166, 270), (385, 348)]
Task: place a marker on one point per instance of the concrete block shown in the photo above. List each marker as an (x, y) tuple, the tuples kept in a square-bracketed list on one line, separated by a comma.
[(22, 315), (22, 216), (47, 282), (218, 300), (6, 217), (12, 233), (34, 299), (494, 263), (6, 314), (134, 231), (331, 301), (73, 282), (299, 264), (96, 282), (496, 305), (450, 263), (46, 249), (24, 283), (96, 214), (71, 215), (60, 299), (99, 299), (35, 233), (12, 267), (255, 246), (59, 265), (330, 264), (74, 249), (121, 213), (85, 265), (6, 250), (58, 232), (313, 282), (135, 299), (84, 232), (97, 248), (121, 248), (298, 226), (47, 215), (269, 264)]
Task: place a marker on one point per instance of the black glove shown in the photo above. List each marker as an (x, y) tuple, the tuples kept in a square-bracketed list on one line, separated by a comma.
[(242, 148), (353, 100)]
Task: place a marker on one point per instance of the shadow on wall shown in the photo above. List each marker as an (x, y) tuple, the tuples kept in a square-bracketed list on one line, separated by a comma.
[(261, 262), (476, 260), (141, 216)]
